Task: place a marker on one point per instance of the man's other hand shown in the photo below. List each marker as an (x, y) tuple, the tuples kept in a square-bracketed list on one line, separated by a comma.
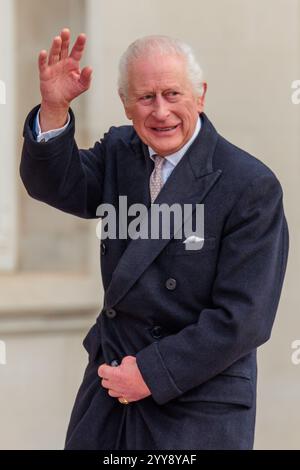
[(124, 381)]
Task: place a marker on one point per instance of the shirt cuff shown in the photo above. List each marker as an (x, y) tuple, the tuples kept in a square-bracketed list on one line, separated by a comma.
[(45, 136)]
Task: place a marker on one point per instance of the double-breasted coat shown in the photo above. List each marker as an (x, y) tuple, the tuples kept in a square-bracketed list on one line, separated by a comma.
[(193, 319)]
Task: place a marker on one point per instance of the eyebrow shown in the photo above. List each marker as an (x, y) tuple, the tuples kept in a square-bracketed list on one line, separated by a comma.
[(152, 92)]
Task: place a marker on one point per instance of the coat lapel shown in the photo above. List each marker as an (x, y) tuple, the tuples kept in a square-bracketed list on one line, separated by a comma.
[(135, 167), (189, 183)]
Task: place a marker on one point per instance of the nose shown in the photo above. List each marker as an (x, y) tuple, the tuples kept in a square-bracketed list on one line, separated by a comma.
[(161, 111)]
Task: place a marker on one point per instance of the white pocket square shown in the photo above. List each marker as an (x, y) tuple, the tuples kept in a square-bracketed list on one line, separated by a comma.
[(193, 242), (193, 238)]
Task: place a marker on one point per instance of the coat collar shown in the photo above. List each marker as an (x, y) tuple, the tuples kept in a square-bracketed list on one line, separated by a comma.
[(189, 183)]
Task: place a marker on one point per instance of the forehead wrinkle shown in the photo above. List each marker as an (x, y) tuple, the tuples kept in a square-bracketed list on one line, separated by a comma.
[(157, 78), (150, 86), (146, 74)]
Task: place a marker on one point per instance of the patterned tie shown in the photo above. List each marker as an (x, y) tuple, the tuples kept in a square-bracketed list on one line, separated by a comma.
[(156, 179)]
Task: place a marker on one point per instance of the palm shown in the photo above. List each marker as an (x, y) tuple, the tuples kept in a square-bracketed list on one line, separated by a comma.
[(60, 83)]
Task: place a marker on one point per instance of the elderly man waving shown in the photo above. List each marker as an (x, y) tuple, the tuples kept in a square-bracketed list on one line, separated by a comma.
[(172, 355)]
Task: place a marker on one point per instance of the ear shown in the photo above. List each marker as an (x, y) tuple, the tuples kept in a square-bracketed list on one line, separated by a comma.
[(201, 98), (126, 107)]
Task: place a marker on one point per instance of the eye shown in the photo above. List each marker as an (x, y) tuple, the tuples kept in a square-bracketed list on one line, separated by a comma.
[(172, 95), (146, 97)]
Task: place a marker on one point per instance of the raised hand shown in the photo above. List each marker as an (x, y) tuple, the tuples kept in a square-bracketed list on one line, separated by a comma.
[(61, 79)]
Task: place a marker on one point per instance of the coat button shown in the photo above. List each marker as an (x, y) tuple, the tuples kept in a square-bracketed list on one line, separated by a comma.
[(114, 363), (110, 313), (103, 248), (156, 332), (171, 284)]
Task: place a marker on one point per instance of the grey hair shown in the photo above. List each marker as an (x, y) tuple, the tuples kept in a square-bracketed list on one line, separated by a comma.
[(162, 45)]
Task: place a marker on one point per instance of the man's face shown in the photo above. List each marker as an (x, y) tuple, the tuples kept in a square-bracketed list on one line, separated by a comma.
[(161, 102)]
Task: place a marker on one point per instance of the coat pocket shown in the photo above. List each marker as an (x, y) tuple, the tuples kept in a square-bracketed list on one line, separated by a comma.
[(178, 248), (92, 342), (224, 388)]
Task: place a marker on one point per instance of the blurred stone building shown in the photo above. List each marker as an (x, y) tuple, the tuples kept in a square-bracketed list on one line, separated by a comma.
[(50, 284)]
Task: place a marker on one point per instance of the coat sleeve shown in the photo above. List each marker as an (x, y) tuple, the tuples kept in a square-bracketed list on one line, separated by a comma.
[(59, 174), (245, 296)]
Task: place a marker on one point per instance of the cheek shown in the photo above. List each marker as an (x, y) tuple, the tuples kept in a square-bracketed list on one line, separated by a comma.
[(140, 118), (140, 125), (186, 115)]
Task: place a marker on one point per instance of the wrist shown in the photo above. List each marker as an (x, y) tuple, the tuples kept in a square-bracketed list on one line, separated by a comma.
[(52, 117)]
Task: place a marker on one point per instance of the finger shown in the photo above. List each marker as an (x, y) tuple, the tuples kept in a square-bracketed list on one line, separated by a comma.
[(55, 51), (105, 383), (86, 77), (128, 360), (78, 47), (65, 42), (42, 61), (114, 393), (103, 371)]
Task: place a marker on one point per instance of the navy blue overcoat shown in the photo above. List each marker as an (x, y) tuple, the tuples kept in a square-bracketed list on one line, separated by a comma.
[(193, 319)]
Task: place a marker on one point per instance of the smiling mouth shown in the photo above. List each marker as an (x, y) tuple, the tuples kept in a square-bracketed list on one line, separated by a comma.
[(164, 129)]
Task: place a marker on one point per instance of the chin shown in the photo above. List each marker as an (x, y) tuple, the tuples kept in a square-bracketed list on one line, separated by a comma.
[(167, 149)]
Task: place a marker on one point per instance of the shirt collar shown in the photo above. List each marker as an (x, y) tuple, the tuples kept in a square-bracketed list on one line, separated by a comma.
[(175, 158)]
